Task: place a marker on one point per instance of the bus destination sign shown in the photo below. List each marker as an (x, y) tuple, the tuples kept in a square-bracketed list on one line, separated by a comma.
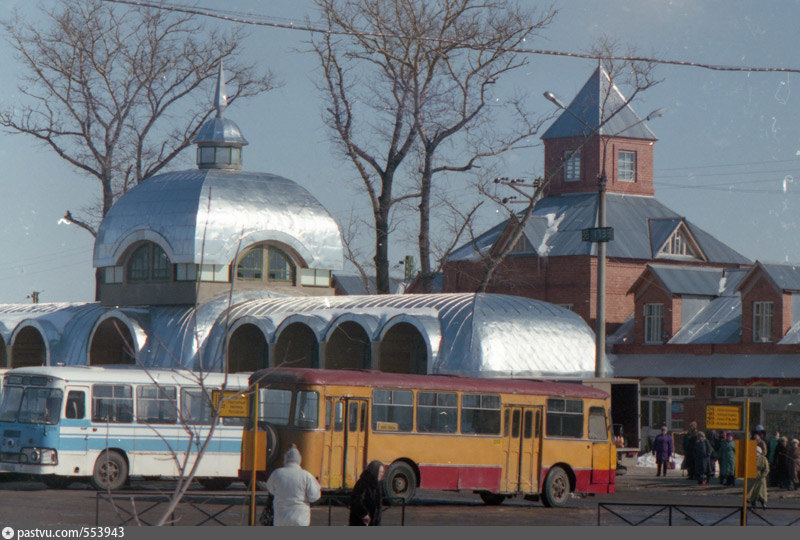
[(723, 417)]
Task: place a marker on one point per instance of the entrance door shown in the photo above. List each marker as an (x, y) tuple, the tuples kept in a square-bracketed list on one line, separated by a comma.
[(345, 442), (522, 432)]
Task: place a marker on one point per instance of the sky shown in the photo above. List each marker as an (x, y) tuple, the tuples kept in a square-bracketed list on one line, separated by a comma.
[(727, 156)]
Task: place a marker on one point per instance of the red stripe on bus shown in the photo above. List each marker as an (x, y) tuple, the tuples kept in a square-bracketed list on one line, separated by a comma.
[(455, 477)]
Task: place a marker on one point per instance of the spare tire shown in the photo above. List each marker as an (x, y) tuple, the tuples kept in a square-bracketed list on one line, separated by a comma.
[(273, 443)]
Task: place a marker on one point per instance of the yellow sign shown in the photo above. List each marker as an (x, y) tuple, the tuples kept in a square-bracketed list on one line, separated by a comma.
[(751, 459), (724, 417), (234, 404)]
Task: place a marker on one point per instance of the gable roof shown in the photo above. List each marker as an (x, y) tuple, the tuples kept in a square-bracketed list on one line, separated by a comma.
[(686, 280), (555, 229), (595, 103)]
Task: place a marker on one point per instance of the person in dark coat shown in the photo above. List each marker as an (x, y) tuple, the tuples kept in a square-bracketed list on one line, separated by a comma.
[(793, 464), (702, 458), (715, 440), (688, 450), (727, 460), (367, 496), (663, 449), (780, 459)]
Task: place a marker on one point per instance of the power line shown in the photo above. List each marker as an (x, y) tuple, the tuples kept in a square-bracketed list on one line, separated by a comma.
[(233, 16), (729, 164)]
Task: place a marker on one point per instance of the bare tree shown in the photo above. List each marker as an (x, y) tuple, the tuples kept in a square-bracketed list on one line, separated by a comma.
[(414, 78), (100, 84), (636, 76)]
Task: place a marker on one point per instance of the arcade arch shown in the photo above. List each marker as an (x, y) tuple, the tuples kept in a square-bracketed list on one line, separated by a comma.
[(403, 350), (349, 346), (112, 343), (29, 348), (247, 349), (297, 346)]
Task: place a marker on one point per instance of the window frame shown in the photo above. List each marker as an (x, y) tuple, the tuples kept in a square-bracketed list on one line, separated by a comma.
[(626, 165), (763, 321), (572, 165), (653, 323), (557, 413), (428, 415), (485, 411)]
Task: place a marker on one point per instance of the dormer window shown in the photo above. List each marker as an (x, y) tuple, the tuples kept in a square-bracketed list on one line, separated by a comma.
[(149, 263), (522, 246), (762, 321), (572, 166), (279, 265), (626, 168), (653, 323), (678, 245)]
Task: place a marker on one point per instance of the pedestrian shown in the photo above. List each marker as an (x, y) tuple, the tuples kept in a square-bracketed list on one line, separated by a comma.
[(702, 458), (758, 491), (727, 460), (760, 442), (294, 490), (688, 450), (793, 464), (714, 439), (663, 449), (782, 463), (367, 496), (772, 445)]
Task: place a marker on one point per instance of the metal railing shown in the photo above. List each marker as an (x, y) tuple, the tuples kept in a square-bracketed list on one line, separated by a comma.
[(202, 507), (635, 514)]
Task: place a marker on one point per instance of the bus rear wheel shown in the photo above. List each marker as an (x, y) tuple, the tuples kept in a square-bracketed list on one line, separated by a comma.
[(492, 499), (400, 482), (556, 488), (110, 471)]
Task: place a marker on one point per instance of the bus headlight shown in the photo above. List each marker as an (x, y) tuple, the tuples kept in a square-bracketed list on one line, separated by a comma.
[(39, 456)]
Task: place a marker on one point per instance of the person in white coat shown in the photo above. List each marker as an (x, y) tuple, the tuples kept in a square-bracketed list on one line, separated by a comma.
[(294, 490)]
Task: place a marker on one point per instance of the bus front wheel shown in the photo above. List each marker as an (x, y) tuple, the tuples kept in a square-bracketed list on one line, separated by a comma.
[(556, 488), (400, 482), (110, 471)]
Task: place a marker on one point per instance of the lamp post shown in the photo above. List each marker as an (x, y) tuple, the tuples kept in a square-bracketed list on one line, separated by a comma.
[(602, 233)]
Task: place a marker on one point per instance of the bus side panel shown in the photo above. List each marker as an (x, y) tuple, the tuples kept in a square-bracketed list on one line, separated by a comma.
[(460, 477)]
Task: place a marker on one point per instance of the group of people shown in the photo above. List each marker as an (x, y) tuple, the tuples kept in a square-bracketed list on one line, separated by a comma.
[(777, 459), (294, 489)]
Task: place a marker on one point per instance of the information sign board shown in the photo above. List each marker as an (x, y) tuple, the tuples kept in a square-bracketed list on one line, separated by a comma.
[(724, 417), (234, 405)]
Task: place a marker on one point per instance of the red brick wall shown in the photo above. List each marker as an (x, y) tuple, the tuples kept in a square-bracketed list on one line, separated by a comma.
[(654, 293), (591, 153)]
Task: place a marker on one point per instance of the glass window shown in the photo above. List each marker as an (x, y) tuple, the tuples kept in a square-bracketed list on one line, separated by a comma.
[(437, 412), (515, 424), (162, 269), (156, 404), (352, 417), (280, 266), (392, 410), (653, 323), (275, 406), (480, 414), (338, 416), (223, 154), (572, 165), (206, 154), (626, 170), (139, 264), (762, 321), (659, 414), (76, 405), (196, 406), (307, 409), (149, 262), (644, 416), (12, 399), (598, 426), (252, 265), (564, 418), (112, 403), (527, 429), (40, 406)]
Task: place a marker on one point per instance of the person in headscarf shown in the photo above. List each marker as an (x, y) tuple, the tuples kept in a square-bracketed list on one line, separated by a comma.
[(793, 464), (367, 496), (689, 439), (663, 449), (702, 458), (727, 460), (758, 491), (294, 490)]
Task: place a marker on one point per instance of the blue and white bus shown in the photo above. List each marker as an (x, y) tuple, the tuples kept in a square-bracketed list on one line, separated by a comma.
[(106, 424)]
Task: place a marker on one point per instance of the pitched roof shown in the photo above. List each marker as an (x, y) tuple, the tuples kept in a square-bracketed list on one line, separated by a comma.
[(717, 366), (689, 280), (556, 224), (596, 102)]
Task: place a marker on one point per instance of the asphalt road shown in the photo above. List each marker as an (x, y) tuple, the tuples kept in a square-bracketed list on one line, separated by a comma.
[(28, 503)]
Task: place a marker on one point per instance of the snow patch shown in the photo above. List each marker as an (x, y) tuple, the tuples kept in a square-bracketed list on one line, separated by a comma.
[(553, 221), (722, 281)]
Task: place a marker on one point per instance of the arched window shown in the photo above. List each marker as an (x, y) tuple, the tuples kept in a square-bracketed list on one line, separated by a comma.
[(149, 263), (279, 266)]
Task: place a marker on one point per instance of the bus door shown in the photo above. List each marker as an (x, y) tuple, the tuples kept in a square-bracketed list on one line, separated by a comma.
[(522, 433), (345, 438), (76, 424), (603, 451)]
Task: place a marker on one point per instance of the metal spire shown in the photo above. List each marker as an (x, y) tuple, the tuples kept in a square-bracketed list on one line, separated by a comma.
[(221, 97)]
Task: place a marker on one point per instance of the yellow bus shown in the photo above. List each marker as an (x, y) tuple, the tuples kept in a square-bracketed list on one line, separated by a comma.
[(496, 437)]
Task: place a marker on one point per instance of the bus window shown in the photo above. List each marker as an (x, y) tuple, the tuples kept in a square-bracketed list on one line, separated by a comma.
[(338, 417), (352, 416), (363, 417), (275, 406), (392, 410), (112, 403), (76, 404), (564, 418), (12, 399), (40, 406), (598, 427), (480, 414), (527, 425), (156, 404), (437, 412), (515, 424), (307, 409), (196, 406)]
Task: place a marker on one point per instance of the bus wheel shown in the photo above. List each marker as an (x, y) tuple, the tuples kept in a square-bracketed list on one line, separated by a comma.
[(57, 482), (556, 488), (110, 471), (215, 484), (400, 481), (492, 499)]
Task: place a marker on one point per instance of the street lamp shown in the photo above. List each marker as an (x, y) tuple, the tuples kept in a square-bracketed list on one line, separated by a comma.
[(602, 233)]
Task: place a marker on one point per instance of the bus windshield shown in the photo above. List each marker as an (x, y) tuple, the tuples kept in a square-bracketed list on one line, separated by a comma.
[(31, 405)]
